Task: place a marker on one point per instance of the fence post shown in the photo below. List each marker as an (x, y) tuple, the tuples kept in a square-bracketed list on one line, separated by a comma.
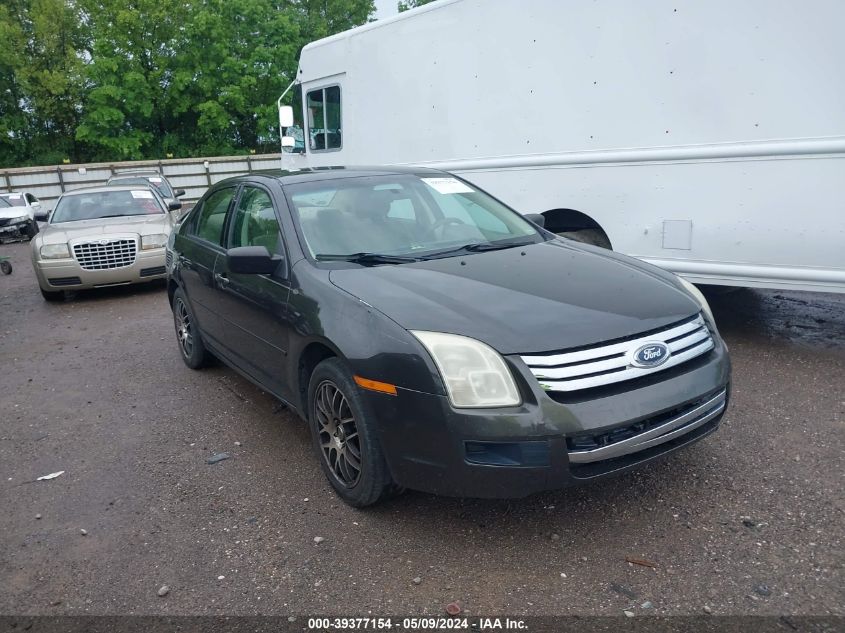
[(61, 178), (8, 181), (207, 172), (249, 163)]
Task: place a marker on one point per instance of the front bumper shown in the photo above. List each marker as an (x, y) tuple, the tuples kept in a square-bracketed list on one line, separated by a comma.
[(17, 230), (67, 274), (548, 443)]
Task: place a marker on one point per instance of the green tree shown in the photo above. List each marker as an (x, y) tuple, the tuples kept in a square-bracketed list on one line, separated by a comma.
[(41, 69), (405, 5)]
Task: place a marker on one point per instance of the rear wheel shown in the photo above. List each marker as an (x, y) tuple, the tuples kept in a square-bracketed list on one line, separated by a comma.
[(596, 237), (50, 295), (344, 436), (187, 333)]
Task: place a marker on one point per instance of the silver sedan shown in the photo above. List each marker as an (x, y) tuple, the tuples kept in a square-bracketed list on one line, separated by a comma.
[(104, 236)]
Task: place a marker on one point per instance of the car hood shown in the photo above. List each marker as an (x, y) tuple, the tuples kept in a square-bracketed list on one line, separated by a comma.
[(138, 224), (538, 298), (13, 212)]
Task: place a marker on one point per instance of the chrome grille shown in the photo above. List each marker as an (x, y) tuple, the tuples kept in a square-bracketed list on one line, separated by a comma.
[(106, 254), (608, 364)]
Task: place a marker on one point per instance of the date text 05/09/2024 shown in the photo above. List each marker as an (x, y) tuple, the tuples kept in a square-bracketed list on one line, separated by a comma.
[(417, 624)]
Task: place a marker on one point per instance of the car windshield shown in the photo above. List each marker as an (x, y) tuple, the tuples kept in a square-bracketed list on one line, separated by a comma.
[(156, 181), (13, 200), (403, 218), (4, 202), (105, 204)]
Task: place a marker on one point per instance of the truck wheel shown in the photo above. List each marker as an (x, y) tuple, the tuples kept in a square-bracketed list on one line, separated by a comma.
[(53, 296), (188, 334), (596, 237), (6, 267), (344, 436), (31, 230)]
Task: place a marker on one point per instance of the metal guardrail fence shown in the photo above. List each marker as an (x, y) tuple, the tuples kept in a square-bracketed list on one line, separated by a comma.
[(194, 175)]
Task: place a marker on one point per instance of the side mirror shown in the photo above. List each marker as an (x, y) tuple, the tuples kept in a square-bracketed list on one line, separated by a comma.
[(252, 260), (173, 204), (179, 193), (288, 141), (285, 116), (41, 215), (35, 204), (536, 218)]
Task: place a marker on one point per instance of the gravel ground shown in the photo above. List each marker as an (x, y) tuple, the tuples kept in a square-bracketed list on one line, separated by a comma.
[(748, 521)]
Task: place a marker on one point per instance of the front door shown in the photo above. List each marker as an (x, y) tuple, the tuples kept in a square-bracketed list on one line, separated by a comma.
[(253, 308)]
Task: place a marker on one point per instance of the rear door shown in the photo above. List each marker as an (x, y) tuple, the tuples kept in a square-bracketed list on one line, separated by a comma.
[(253, 308), (199, 245)]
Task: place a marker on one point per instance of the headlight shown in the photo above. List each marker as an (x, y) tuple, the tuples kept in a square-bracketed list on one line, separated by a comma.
[(55, 251), (696, 293), (19, 219), (153, 241), (475, 375)]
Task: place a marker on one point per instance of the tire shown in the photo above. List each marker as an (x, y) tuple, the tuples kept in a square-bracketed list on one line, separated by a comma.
[(53, 296), (6, 267), (596, 237), (31, 230), (333, 396), (188, 335)]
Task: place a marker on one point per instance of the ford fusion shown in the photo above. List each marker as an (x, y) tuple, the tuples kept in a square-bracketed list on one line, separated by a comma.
[(434, 339), (107, 236)]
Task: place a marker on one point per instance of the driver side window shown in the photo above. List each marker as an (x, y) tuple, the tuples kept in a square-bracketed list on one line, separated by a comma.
[(255, 222)]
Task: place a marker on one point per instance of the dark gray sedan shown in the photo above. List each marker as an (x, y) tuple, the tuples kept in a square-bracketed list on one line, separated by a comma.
[(432, 338)]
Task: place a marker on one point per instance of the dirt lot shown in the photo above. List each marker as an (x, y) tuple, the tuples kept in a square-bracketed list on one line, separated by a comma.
[(748, 521)]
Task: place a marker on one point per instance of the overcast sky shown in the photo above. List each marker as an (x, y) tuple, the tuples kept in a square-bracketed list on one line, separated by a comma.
[(385, 8)]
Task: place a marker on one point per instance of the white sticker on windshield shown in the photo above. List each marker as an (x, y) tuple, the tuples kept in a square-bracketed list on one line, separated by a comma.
[(155, 180), (447, 185), (142, 194), (14, 196)]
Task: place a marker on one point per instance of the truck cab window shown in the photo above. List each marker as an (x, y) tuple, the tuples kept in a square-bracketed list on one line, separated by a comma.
[(324, 132)]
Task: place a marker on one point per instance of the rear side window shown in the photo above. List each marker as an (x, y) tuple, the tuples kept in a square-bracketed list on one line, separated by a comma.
[(212, 216)]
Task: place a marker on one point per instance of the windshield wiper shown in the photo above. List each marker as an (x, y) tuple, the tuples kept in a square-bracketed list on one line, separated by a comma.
[(366, 258), (478, 247)]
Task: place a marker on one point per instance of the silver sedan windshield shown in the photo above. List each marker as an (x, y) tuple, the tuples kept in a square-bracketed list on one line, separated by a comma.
[(105, 204)]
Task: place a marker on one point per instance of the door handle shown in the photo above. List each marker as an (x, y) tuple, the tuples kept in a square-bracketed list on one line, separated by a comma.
[(221, 278)]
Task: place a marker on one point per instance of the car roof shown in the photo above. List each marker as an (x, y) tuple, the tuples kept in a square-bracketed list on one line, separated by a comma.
[(137, 172), (106, 189), (314, 174)]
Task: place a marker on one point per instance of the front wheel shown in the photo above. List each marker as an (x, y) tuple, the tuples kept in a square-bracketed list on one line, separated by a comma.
[(52, 296), (6, 267), (344, 436), (31, 230), (187, 333)]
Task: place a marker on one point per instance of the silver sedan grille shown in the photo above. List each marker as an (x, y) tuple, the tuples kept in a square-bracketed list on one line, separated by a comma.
[(608, 364), (105, 254)]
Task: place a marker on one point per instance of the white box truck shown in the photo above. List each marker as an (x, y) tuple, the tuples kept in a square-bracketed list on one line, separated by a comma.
[(705, 137)]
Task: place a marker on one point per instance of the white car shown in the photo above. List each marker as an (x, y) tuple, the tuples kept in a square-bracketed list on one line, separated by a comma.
[(17, 215)]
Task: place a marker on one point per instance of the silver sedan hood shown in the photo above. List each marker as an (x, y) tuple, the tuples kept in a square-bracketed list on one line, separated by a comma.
[(103, 227)]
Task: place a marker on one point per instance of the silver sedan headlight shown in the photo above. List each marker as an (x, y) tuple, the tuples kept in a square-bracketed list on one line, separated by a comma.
[(696, 294), (475, 375), (55, 251), (159, 240)]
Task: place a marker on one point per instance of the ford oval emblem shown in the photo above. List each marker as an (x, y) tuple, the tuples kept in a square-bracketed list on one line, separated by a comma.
[(650, 355)]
